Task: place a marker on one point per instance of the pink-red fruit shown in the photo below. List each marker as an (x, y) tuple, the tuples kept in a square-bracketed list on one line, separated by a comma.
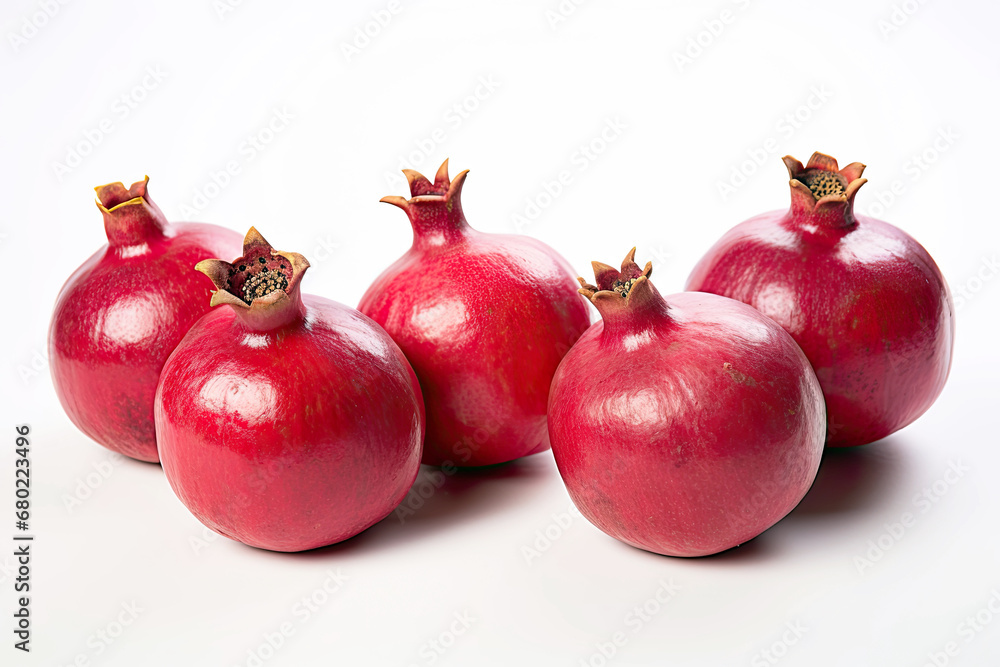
[(484, 319), (864, 300), (684, 426), (123, 311), (286, 421)]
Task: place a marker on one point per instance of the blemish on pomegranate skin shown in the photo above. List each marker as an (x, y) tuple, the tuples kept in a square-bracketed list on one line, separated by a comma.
[(738, 376)]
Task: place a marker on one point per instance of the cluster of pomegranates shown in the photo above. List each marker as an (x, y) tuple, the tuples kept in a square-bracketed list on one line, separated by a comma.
[(683, 425)]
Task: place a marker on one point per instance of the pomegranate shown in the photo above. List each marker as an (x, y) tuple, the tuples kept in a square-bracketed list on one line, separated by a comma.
[(684, 426), (483, 318), (123, 311), (286, 422), (863, 299)]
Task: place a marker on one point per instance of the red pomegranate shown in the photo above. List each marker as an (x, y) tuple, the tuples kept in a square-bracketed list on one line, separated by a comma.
[(483, 318), (684, 426), (123, 311), (863, 299), (286, 422)]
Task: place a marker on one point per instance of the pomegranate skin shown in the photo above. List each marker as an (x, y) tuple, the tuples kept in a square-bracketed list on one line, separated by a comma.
[(683, 426), (484, 319), (289, 424), (122, 312), (864, 300)]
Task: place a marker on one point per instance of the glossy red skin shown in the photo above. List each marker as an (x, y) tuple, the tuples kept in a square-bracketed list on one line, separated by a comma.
[(293, 438), (485, 321), (117, 319), (867, 304), (664, 447)]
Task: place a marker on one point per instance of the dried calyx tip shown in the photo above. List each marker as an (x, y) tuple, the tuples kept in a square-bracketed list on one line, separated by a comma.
[(611, 282), (421, 187), (112, 195)]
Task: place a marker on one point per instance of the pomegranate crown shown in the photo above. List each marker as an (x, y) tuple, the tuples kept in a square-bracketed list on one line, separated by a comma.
[(260, 285), (614, 284), (434, 209), (626, 295), (130, 216), (420, 186), (821, 186)]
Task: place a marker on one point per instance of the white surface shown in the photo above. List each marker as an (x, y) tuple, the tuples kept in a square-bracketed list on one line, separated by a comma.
[(315, 189)]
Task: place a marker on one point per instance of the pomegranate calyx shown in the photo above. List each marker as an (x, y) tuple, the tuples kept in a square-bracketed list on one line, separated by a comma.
[(625, 294), (420, 185), (434, 209), (262, 285), (616, 283), (822, 192), (130, 216)]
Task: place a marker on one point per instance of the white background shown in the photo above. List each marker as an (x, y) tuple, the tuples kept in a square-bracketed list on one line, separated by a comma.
[(775, 78)]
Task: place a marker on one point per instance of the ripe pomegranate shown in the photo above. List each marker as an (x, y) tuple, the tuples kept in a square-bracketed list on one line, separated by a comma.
[(686, 425), (123, 311), (863, 299), (286, 422), (483, 318)]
